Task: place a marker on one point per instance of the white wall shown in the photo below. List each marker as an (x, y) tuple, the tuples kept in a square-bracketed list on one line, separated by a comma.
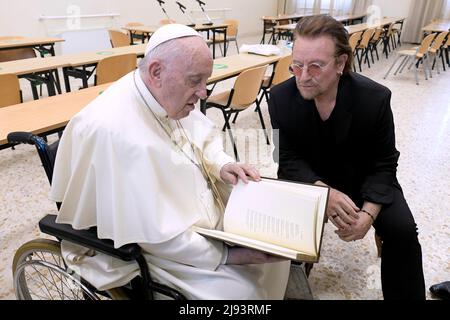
[(21, 17), (393, 8)]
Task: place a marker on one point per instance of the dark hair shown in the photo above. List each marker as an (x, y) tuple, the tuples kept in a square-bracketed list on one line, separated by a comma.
[(324, 25)]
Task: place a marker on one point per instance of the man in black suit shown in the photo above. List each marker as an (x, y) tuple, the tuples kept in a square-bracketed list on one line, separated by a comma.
[(336, 128)]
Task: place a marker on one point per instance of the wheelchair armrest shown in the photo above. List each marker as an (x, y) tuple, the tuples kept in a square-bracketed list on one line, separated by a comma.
[(88, 238)]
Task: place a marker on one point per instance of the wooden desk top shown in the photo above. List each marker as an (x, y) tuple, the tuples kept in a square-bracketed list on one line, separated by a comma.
[(287, 16), (347, 17), (286, 27), (230, 66), (85, 58), (26, 42), (291, 26), (152, 29), (27, 66), (46, 114), (437, 26), (363, 26)]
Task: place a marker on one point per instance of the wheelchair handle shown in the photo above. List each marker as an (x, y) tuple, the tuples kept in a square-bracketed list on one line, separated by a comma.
[(22, 137)]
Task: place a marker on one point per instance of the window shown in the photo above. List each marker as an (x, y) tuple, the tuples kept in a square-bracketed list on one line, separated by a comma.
[(305, 6), (333, 7), (446, 11)]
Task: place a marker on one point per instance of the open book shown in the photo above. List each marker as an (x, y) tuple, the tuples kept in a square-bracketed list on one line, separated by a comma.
[(261, 49), (275, 216)]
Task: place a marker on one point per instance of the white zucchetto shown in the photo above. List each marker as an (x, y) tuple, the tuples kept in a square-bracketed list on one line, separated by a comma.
[(169, 32)]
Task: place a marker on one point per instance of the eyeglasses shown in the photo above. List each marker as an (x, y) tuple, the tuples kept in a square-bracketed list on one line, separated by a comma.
[(314, 69)]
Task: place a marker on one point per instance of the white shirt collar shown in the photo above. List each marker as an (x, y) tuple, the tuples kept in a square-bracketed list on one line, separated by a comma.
[(154, 105)]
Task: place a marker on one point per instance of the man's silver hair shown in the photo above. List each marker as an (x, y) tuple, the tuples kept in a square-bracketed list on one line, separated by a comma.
[(171, 53)]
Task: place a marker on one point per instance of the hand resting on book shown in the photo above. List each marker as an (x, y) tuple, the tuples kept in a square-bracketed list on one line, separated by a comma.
[(238, 255), (231, 172)]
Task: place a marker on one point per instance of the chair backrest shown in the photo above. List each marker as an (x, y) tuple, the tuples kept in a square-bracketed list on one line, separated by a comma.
[(113, 68), (9, 90), (232, 28), (425, 45), (281, 71), (17, 54), (367, 35), (377, 35), (246, 87), (354, 39), (118, 39), (447, 44), (390, 30), (438, 41)]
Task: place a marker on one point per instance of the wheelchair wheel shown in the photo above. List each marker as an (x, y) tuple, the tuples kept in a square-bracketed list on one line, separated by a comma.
[(40, 273)]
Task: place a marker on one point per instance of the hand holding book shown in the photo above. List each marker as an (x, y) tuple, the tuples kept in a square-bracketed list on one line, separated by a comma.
[(276, 217)]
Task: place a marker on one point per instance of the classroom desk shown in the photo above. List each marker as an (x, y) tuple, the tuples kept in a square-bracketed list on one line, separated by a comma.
[(381, 24), (44, 69), (77, 64), (43, 45), (348, 19), (231, 66), (147, 31), (269, 22), (437, 26), (44, 116)]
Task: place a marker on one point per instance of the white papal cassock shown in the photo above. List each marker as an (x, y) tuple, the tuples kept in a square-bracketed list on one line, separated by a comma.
[(118, 170)]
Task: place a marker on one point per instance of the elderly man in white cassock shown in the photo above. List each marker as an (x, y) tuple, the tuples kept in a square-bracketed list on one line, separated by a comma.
[(141, 164)]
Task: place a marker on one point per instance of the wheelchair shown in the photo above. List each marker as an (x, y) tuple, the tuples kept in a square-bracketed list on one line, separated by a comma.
[(39, 270)]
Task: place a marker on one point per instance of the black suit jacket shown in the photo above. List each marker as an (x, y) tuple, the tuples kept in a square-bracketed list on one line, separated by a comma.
[(353, 151)]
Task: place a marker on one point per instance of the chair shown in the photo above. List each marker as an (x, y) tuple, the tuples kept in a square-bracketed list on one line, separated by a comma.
[(9, 90), (113, 68), (39, 271), (388, 37), (353, 42), (445, 49), (397, 30), (137, 35), (118, 39), (280, 74), (414, 56), (436, 48), (364, 48), (35, 79), (268, 29), (243, 94), (373, 43), (232, 31)]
